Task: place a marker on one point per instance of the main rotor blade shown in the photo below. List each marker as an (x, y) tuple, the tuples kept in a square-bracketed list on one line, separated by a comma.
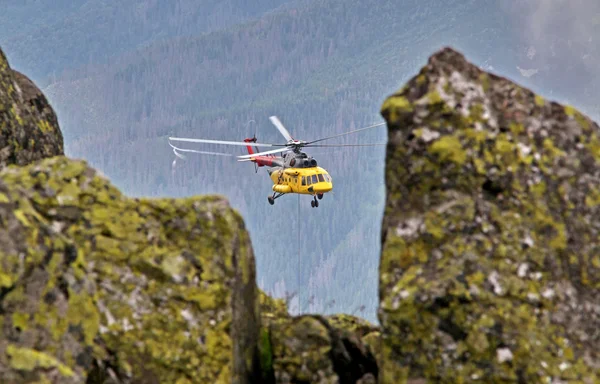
[(225, 142), (346, 145), (281, 128), (264, 153), (346, 133), (201, 152)]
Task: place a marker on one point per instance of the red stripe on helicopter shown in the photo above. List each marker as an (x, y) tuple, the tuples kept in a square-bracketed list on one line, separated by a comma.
[(263, 161)]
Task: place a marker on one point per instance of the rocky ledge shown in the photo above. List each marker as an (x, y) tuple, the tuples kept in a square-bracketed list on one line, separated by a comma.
[(490, 266)]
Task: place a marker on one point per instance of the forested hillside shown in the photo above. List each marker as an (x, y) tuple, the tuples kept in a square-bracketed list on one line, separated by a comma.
[(322, 66), (82, 32)]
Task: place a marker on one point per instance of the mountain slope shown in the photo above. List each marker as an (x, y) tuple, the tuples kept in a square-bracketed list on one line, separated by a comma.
[(85, 32)]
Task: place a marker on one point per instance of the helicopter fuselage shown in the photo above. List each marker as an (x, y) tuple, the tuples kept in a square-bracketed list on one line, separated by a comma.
[(306, 181), (297, 172)]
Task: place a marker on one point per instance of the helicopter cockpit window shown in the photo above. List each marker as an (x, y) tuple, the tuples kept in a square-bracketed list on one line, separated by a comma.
[(321, 179), (314, 179)]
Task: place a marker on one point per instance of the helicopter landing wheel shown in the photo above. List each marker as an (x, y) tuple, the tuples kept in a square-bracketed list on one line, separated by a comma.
[(271, 200), (312, 203), (320, 196)]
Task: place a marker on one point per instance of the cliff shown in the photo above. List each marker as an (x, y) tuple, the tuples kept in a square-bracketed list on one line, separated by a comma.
[(490, 266)]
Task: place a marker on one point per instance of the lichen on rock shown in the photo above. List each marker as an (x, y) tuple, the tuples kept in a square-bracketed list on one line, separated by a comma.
[(29, 128), (146, 290), (490, 266), (308, 349), (314, 348)]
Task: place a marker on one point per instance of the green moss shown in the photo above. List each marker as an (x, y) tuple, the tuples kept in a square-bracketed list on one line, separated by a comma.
[(449, 148), (539, 101), (395, 107), (569, 110), (20, 320), (266, 352), (485, 81), (26, 359), (434, 97)]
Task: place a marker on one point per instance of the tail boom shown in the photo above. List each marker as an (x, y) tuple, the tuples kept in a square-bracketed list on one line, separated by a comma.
[(262, 160)]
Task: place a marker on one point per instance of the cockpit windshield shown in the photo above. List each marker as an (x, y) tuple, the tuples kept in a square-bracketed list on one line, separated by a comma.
[(317, 178)]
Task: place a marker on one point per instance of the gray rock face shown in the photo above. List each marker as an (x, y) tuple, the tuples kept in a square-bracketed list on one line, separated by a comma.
[(95, 286), (29, 128), (490, 266)]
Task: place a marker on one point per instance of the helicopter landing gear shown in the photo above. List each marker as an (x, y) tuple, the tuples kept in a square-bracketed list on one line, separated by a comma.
[(272, 198), (314, 203), (320, 196)]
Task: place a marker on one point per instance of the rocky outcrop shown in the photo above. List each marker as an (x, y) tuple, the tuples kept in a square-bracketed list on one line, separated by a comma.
[(97, 284), (29, 128), (490, 266), (313, 348)]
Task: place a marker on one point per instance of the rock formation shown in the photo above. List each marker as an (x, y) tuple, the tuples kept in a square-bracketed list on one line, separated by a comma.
[(316, 349), (29, 128), (490, 266), (154, 290)]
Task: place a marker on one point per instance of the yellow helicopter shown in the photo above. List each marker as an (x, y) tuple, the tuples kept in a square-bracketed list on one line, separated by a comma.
[(292, 172)]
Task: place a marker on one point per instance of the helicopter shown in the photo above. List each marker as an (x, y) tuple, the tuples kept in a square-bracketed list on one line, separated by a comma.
[(293, 172)]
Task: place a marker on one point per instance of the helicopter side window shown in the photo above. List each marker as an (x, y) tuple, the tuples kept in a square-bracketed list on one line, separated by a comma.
[(308, 180), (314, 179), (321, 179), (303, 180)]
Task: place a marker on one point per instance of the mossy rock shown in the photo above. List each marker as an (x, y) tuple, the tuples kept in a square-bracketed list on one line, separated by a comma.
[(271, 308), (308, 349), (360, 327), (490, 264), (29, 128), (94, 284)]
